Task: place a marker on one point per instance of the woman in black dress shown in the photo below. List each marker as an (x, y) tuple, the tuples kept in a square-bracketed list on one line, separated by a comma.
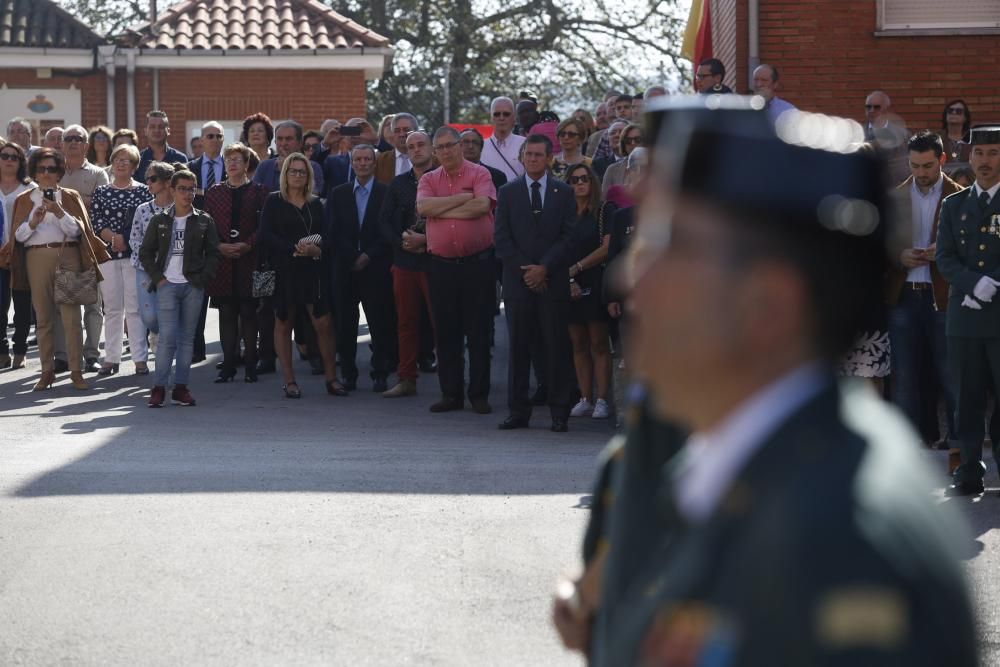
[(291, 236), (235, 205), (588, 318)]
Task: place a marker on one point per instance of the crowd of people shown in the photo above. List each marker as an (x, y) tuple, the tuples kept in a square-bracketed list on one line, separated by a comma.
[(289, 232)]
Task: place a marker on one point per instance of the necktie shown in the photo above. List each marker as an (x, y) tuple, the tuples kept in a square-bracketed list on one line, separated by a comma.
[(536, 197), (984, 200), (210, 179)]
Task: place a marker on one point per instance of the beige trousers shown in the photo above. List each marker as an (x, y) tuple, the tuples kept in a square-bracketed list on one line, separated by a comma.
[(41, 265)]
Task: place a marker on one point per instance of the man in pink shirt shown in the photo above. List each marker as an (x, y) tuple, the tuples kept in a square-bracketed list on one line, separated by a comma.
[(458, 200)]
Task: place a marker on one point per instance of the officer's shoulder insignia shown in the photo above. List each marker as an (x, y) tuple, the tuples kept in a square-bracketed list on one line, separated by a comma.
[(862, 617), (688, 634)]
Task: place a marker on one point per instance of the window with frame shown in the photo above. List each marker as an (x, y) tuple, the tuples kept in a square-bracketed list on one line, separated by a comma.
[(938, 15)]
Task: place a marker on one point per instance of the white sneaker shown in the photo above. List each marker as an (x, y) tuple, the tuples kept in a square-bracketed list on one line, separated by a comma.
[(582, 409), (601, 409)]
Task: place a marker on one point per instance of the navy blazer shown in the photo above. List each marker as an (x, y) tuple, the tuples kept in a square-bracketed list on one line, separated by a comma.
[(520, 240), (194, 166), (337, 171), (351, 237)]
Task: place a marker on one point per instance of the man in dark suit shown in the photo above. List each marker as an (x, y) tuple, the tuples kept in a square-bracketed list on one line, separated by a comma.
[(916, 292), (209, 170), (800, 527), (361, 272), (533, 234), (968, 256)]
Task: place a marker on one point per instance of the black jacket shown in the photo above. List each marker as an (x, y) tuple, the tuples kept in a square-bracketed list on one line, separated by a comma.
[(351, 237), (201, 247)]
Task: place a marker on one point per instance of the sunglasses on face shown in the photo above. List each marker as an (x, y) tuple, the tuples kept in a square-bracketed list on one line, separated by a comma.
[(211, 136), (582, 178), (956, 110), (46, 169), (100, 138), (873, 107), (73, 139), (10, 157), (633, 140), (502, 114), (152, 179), (569, 135)]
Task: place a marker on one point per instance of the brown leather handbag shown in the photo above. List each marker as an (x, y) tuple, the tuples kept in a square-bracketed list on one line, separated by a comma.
[(75, 288)]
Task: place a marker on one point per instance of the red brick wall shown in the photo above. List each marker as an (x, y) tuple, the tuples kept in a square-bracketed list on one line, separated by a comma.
[(308, 96), (830, 59)]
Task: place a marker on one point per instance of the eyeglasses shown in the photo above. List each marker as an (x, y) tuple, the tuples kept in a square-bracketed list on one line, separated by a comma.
[(502, 114), (568, 135), (184, 189), (122, 160), (573, 180), (956, 110), (10, 157), (446, 147), (234, 158), (873, 107), (211, 136), (632, 140), (46, 169), (297, 172), (73, 139)]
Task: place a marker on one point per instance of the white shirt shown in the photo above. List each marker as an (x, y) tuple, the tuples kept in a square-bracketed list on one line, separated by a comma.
[(924, 207), (51, 229), (992, 191), (504, 154), (8, 208), (543, 181), (175, 265), (714, 459), (403, 163)]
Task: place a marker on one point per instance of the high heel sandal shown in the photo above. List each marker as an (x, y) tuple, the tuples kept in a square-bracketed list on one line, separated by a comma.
[(45, 382), (141, 368), (76, 377), (225, 376), (250, 375), (290, 392), (334, 388), (108, 369)]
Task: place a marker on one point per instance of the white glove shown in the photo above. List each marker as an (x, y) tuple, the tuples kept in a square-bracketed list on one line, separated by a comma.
[(985, 289), (969, 302)]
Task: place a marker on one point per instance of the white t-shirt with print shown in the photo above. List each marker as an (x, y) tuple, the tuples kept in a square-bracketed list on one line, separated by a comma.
[(175, 265)]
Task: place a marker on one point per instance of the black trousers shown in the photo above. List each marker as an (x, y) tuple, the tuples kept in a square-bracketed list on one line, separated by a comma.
[(372, 289), (539, 324), (975, 364), (463, 300), (22, 318), (235, 317), (265, 323), (199, 332)]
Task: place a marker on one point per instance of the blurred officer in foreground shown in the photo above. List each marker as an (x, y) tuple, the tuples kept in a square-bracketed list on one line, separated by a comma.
[(799, 526), (968, 256)]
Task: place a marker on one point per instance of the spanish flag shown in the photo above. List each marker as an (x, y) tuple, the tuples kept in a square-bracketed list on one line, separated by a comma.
[(698, 34)]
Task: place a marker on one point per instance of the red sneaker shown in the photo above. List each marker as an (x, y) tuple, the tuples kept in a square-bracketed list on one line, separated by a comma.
[(181, 396), (157, 396)]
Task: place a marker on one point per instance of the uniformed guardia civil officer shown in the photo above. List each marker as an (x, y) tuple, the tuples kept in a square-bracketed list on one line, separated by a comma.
[(800, 529), (968, 256)]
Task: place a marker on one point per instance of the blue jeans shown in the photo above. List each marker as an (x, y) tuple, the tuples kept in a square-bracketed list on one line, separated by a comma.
[(178, 307), (147, 301), (917, 333)]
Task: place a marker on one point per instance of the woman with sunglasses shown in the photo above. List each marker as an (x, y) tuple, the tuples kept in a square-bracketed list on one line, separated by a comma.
[(588, 318), (179, 251), (293, 238), (158, 181), (99, 152), (571, 134), (112, 210), (13, 181), (52, 230), (631, 138), (235, 205), (956, 119)]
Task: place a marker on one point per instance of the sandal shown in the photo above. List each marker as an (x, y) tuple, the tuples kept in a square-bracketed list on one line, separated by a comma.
[(141, 368), (290, 392), (334, 388)]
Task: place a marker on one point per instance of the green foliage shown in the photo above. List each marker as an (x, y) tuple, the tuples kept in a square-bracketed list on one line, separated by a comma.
[(109, 17)]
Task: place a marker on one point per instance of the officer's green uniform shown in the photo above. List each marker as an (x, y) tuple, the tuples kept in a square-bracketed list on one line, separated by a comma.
[(826, 548), (968, 248)]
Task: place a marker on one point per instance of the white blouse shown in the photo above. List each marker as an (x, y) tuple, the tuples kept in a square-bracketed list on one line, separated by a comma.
[(51, 229), (140, 221), (8, 207)]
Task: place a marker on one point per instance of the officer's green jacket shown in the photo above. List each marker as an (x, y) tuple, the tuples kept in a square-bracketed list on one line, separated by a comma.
[(968, 248), (827, 549)]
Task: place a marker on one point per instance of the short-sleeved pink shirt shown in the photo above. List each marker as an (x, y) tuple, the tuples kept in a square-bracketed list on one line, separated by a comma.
[(452, 237)]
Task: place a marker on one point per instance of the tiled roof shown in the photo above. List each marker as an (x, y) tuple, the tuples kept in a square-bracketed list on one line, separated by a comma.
[(42, 23), (255, 24)]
